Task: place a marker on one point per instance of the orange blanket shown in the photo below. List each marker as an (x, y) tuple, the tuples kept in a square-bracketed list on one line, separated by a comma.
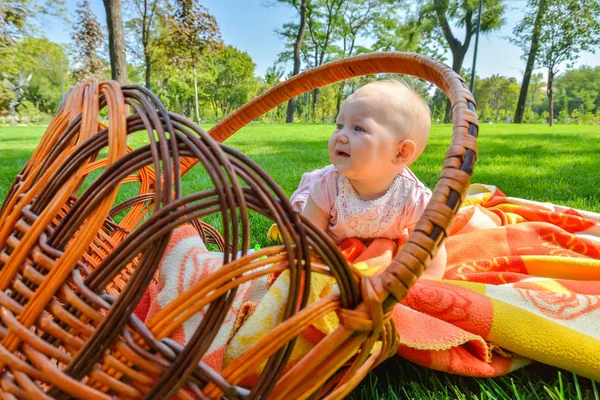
[(522, 282)]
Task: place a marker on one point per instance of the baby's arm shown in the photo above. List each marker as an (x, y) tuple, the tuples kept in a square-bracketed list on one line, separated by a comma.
[(317, 216), (438, 265)]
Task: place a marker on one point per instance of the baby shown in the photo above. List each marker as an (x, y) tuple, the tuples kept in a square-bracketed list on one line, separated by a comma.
[(368, 192)]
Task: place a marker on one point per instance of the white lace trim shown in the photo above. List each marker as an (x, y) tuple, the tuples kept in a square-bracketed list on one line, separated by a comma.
[(371, 218)]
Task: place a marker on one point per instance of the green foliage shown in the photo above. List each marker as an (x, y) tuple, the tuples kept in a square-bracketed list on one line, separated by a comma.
[(177, 51), (232, 73), (42, 59), (355, 21), (273, 76), (496, 97), (28, 112), (192, 36), (462, 14), (401, 26), (580, 90), (6, 95)]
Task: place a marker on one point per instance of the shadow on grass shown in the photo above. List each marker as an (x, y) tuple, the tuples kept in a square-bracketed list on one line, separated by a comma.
[(18, 139)]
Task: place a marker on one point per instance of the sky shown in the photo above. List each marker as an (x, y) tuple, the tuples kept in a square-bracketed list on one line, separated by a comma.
[(250, 25)]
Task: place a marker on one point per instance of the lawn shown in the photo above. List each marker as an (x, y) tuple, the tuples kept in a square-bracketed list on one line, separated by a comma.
[(558, 165)]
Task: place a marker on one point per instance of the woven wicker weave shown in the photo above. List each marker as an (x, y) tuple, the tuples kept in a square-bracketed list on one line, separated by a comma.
[(71, 276)]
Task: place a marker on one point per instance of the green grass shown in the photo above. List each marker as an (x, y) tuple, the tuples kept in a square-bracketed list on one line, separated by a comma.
[(558, 165)]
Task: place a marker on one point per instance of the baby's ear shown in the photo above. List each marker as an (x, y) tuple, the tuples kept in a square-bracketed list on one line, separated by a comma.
[(405, 152)]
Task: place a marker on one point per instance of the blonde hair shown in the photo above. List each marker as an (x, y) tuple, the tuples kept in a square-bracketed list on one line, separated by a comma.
[(415, 109), (396, 83)]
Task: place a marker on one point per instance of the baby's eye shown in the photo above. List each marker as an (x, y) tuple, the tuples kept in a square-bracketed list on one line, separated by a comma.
[(358, 128), (339, 126)]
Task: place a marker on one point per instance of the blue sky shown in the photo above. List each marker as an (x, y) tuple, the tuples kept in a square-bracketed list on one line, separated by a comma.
[(250, 26)]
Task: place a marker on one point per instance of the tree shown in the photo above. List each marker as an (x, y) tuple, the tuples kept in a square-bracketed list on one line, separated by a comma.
[(322, 17), (460, 13), (13, 20), (232, 80), (568, 28), (536, 90), (495, 95), (116, 41), (322, 36), (299, 29), (87, 38), (536, 30), (273, 76), (144, 32), (193, 31), (42, 59), (357, 18), (579, 89), (401, 27), (16, 17)]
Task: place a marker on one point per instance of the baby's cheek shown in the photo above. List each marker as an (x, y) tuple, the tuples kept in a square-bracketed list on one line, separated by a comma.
[(331, 143)]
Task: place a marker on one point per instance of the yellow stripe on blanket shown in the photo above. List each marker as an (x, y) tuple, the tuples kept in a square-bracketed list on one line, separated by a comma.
[(474, 286), (584, 269), (269, 313), (541, 339)]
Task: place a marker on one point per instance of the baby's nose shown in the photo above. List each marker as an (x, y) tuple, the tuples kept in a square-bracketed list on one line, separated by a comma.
[(341, 137)]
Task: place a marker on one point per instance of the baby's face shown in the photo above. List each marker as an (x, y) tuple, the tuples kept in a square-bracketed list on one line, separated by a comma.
[(365, 141)]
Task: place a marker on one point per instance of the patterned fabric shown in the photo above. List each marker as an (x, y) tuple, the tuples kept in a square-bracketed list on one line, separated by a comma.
[(185, 262), (522, 283)]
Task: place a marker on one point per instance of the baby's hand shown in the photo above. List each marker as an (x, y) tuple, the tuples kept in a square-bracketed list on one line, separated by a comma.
[(403, 238), (438, 264)]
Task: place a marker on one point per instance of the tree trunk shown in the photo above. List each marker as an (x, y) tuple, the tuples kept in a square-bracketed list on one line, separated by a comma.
[(196, 95), (289, 115), (315, 104), (340, 96), (148, 65), (458, 56), (116, 41), (458, 49), (550, 97), (537, 28)]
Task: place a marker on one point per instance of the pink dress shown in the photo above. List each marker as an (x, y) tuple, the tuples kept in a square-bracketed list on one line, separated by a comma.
[(385, 217)]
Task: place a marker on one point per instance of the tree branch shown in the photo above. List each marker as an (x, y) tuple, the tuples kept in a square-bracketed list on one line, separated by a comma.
[(440, 11), (468, 29)]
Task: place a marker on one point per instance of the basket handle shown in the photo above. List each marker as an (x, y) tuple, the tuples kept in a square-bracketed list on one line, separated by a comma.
[(454, 180)]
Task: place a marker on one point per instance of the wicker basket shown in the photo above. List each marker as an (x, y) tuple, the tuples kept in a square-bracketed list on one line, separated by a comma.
[(71, 276)]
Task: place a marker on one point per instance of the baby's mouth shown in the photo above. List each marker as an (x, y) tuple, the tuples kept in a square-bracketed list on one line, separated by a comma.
[(341, 153)]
